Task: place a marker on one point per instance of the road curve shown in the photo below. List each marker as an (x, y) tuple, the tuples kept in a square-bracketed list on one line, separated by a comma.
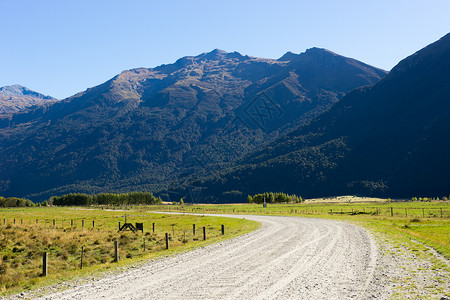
[(287, 258)]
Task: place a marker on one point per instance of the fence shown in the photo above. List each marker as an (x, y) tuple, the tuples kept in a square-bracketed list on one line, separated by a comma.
[(87, 253)]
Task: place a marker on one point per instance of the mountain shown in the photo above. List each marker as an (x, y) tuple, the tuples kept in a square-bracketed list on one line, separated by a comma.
[(15, 98), (148, 126), (389, 139)]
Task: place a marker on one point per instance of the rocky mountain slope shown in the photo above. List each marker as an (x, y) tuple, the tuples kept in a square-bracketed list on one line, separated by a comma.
[(389, 139), (146, 126)]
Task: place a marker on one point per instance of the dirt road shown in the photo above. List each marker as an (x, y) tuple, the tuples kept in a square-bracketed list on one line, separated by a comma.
[(288, 258)]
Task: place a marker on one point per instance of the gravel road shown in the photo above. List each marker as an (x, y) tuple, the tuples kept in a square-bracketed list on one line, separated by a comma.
[(287, 258)]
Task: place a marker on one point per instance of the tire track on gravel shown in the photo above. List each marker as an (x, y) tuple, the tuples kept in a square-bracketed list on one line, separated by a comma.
[(287, 258)]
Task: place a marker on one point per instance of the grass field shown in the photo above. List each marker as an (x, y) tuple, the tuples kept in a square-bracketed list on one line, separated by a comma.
[(26, 233), (426, 222)]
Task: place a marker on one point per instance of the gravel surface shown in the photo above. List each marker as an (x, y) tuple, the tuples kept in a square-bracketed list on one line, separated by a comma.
[(288, 258)]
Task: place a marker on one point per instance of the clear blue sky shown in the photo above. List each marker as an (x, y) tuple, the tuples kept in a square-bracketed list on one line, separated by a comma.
[(61, 47)]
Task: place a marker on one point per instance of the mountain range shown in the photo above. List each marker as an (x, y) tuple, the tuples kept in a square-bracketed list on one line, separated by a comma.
[(16, 98), (147, 128), (390, 139)]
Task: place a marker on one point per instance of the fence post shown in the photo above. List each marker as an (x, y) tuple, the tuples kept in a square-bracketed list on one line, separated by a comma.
[(82, 254), (144, 244), (223, 229), (36, 221), (406, 212), (153, 225), (21, 220), (116, 251), (423, 212), (167, 240), (44, 264), (193, 229), (441, 213), (392, 212), (204, 233), (14, 221), (82, 223), (93, 223), (71, 223), (119, 225), (54, 223)]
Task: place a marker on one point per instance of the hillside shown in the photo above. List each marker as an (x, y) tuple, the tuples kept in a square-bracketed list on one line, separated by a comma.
[(16, 98), (146, 126), (389, 140)]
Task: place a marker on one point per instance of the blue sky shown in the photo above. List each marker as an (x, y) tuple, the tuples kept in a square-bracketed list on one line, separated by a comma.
[(63, 47)]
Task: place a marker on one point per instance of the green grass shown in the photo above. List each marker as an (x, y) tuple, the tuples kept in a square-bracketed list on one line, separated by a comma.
[(420, 221), (22, 243)]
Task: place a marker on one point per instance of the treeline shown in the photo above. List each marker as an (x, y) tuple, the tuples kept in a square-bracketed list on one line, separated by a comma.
[(274, 198), (133, 198), (427, 199), (15, 202)]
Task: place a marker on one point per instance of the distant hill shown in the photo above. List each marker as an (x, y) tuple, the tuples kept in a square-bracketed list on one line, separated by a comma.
[(16, 98), (146, 127), (390, 139)]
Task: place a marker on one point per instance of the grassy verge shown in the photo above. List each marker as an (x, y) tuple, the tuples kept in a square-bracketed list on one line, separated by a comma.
[(26, 233)]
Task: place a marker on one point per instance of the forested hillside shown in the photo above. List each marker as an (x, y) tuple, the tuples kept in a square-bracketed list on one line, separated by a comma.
[(145, 128)]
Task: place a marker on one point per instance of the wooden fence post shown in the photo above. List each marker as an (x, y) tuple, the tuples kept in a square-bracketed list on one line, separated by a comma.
[(144, 244), (82, 254), (223, 229), (193, 229), (204, 233), (116, 251), (54, 223), (392, 212), (71, 223), (82, 223), (167, 240), (93, 223), (406, 212), (153, 225), (44, 264)]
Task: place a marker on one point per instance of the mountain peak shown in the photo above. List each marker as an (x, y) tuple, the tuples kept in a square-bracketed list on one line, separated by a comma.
[(19, 90), (218, 51), (315, 52), (288, 56), (214, 54), (319, 52)]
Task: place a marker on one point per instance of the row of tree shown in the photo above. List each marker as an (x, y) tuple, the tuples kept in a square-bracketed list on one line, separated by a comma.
[(274, 198), (133, 198), (15, 202)]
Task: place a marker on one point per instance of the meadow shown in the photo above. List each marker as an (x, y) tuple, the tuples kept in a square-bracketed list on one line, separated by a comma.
[(26, 233)]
